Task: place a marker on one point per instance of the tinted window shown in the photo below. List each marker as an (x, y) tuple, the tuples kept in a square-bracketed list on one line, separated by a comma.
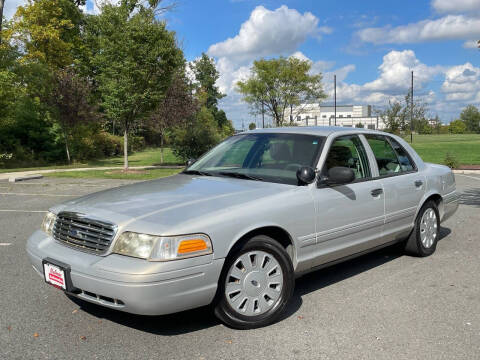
[(348, 151), (406, 162), (386, 157)]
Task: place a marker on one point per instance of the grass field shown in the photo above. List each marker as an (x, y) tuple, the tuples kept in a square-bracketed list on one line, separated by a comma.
[(433, 148), (146, 157), (117, 174)]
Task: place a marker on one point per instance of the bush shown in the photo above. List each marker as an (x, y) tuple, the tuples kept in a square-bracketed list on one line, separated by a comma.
[(457, 127), (451, 161), (197, 137)]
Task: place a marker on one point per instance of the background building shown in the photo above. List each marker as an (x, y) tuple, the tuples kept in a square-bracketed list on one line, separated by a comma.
[(347, 116)]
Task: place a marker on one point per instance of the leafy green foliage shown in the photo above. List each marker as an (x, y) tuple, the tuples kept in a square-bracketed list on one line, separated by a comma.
[(199, 136), (451, 161), (457, 127), (278, 84), (206, 76), (135, 65), (471, 118)]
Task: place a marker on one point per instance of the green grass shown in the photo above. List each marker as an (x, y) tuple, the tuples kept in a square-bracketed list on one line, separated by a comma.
[(433, 148), (145, 157), (116, 174)]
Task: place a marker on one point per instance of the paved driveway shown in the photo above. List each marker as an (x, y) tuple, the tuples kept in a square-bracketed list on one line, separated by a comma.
[(380, 306)]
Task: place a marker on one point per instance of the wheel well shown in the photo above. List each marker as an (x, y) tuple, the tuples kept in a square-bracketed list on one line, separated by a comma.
[(438, 201), (275, 232)]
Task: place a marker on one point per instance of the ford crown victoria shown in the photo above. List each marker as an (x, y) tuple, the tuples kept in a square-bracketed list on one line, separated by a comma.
[(240, 224)]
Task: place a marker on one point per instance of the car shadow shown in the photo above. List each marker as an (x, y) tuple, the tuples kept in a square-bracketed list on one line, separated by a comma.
[(470, 197), (202, 318)]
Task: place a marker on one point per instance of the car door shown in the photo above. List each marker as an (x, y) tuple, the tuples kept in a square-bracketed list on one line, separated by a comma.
[(402, 184), (349, 218)]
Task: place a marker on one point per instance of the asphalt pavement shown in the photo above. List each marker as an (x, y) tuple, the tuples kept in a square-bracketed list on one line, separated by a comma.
[(384, 305)]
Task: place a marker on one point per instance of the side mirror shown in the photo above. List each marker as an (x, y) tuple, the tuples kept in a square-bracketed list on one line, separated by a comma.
[(339, 175), (190, 162), (306, 175)]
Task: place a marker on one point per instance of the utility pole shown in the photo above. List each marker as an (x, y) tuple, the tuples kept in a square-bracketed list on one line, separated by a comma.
[(263, 116), (411, 112), (335, 96)]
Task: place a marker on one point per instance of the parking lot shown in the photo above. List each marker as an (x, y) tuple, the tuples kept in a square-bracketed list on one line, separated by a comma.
[(380, 306)]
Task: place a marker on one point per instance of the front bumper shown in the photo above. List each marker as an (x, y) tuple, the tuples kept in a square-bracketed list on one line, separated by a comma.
[(129, 284)]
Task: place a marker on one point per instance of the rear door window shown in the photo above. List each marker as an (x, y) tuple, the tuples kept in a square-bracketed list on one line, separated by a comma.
[(387, 160)]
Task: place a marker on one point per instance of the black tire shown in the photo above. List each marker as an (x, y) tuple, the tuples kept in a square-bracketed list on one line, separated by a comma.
[(414, 245), (232, 318)]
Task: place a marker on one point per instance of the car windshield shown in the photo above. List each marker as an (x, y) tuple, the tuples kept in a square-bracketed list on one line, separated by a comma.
[(260, 156)]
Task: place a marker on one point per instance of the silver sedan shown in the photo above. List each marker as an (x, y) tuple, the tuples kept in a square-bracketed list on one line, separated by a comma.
[(237, 226)]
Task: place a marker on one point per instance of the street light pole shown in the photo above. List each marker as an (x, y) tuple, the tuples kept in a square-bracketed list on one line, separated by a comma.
[(335, 96), (263, 116), (411, 112)]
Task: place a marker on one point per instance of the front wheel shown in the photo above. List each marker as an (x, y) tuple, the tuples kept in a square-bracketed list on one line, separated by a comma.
[(423, 240), (256, 284)]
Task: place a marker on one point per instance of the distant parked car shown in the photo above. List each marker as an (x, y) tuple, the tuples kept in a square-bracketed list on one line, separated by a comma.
[(236, 227)]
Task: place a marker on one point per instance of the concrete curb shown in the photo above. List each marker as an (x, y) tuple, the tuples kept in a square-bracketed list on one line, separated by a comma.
[(22, 178), (466, 172), (6, 176)]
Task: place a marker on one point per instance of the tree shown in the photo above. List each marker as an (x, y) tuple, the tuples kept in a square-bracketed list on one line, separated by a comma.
[(175, 108), (397, 115), (457, 127), (252, 126), (70, 98), (198, 136), (278, 84), (135, 65), (2, 2), (48, 31), (360, 125), (206, 76), (391, 116), (471, 117)]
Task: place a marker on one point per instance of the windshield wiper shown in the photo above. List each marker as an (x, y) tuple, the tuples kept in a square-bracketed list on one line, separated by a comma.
[(196, 172), (240, 175)]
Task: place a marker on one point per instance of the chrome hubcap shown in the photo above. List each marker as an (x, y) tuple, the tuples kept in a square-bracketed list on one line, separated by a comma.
[(428, 228), (254, 283)]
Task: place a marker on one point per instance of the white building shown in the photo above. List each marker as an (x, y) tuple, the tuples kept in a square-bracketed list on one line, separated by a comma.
[(324, 115)]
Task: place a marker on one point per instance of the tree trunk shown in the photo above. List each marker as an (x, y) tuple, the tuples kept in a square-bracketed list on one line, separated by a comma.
[(2, 2), (161, 149), (125, 150), (66, 144)]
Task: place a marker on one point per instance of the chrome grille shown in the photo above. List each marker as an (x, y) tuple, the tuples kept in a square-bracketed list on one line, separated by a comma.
[(87, 234)]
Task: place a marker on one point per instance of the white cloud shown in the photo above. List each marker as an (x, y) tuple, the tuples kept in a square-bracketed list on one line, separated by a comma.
[(319, 66), (471, 44), (395, 72), (456, 6), (462, 83), (446, 28), (267, 33)]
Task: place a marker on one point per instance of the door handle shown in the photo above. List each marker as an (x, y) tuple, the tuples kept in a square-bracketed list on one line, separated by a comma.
[(376, 192), (418, 183)]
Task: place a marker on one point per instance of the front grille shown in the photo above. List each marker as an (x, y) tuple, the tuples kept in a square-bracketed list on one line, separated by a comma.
[(87, 234)]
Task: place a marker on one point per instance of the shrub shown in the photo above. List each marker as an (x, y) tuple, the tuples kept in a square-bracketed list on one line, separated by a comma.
[(457, 127), (451, 161)]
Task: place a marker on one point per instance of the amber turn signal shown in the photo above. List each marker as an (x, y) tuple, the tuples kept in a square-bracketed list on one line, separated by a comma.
[(193, 245)]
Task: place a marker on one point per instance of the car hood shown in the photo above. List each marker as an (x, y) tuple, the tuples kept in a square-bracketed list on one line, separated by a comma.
[(170, 200)]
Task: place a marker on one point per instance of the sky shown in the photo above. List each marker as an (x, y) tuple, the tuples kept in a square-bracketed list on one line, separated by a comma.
[(372, 46)]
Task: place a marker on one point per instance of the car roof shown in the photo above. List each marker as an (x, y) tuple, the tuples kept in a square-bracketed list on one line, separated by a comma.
[(313, 130)]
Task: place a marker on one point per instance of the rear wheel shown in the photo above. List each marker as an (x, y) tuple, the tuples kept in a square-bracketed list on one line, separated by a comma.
[(256, 283), (424, 237)]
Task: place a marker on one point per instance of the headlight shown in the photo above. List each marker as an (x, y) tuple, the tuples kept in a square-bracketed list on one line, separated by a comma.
[(48, 222), (162, 248)]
